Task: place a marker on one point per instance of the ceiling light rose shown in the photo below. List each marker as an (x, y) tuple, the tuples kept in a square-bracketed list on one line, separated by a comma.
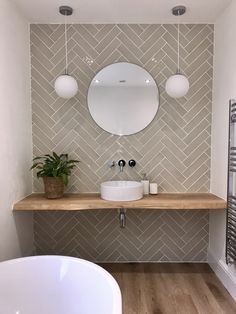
[(65, 85), (177, 85)]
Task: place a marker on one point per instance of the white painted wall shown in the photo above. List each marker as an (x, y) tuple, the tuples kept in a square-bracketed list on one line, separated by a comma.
[(224, 88), (16, 233)]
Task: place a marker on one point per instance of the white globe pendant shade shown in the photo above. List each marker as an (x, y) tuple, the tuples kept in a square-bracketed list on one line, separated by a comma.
[(66, 86), (177, 86)]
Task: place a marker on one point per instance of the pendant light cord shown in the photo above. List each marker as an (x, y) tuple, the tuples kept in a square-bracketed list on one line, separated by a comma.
[(66, 71), (178, 70)]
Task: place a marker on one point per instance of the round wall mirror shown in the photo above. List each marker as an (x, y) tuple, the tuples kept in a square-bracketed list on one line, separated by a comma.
[(123, 98)]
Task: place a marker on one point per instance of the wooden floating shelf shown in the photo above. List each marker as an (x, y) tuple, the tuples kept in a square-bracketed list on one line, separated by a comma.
[(84, 201)]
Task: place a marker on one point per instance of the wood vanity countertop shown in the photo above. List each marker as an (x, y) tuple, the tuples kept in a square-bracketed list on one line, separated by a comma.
[(83, 201)]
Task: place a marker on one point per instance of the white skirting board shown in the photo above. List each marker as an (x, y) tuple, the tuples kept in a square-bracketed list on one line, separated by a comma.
[(225, 273)]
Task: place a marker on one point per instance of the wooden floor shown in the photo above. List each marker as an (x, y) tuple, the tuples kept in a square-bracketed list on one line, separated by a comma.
[(170, 289)]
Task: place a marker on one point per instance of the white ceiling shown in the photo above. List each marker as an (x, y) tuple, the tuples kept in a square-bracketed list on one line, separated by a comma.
[(122, 11)]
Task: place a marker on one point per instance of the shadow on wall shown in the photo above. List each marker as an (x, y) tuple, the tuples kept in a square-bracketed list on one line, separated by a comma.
[(24, 232)]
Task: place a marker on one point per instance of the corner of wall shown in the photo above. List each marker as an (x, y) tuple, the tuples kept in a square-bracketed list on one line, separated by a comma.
[(225, 273), (16, 122), (224, 83)]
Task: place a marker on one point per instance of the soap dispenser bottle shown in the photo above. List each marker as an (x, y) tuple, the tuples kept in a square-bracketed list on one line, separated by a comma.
[(145, 183)]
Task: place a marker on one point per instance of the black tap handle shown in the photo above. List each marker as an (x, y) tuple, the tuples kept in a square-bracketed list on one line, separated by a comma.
[(132, 163)]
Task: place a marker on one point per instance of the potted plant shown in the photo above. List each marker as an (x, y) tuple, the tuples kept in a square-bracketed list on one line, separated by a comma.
[(55, 171)]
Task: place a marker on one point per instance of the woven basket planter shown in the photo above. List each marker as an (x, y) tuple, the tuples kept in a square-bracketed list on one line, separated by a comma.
[(54, 187)]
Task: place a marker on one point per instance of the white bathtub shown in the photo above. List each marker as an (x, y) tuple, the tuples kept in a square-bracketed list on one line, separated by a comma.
[(57, 285)]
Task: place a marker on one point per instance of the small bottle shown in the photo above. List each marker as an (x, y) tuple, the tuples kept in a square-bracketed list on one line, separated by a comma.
[(153, 188), (145, 183)]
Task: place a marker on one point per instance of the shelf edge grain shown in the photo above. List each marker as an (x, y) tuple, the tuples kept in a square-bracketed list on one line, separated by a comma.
[(86, 201)]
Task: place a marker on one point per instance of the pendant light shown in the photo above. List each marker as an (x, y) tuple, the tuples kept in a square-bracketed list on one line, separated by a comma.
[(177, 85), (65, 85)]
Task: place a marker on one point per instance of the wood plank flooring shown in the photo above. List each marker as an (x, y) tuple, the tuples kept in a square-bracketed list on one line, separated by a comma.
[(171, 289)]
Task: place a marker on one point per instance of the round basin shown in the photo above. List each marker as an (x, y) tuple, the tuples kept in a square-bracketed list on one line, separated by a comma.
[(121, 190)]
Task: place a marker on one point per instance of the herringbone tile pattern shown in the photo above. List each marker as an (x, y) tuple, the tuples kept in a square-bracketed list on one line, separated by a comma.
[(174, 150), (150, 235)]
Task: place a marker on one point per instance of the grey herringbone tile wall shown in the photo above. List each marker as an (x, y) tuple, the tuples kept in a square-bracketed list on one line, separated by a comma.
[(150, 235), (174, 150)]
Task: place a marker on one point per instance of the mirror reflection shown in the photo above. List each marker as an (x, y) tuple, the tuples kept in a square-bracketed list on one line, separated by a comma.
[(123, 98)]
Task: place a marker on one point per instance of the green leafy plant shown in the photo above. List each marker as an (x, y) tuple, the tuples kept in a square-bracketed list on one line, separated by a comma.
[(54, 166)]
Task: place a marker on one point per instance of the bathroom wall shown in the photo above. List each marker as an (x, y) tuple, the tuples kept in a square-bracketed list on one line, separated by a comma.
[(224, 88), (15, 129), (150, 235), (174, 150)]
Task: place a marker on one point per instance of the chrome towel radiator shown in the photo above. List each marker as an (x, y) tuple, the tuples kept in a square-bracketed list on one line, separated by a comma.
[(231, 188)]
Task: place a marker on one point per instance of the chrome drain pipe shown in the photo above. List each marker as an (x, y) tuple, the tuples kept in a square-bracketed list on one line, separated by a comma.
[(122, 217)]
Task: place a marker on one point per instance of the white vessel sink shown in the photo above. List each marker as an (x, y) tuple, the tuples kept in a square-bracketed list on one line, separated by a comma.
[(121, 190)]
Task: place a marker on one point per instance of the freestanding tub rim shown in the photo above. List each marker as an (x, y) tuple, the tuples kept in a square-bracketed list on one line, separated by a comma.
[(117, 305)]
